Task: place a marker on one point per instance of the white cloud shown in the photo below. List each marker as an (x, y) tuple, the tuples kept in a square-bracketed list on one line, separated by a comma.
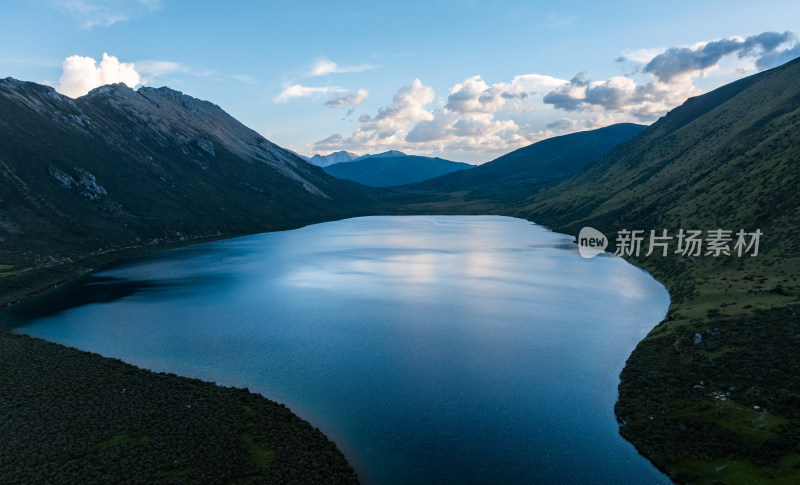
[(642, 56), (244, 78), (469, 119), (621, 95), (677, 62), (300, 91), (597, 120), (151, 70), (105, 13), (326, 66), (159, 68), (475, 96), (491, 119), (320, 68), (453, 130), (672, 74), (389, 126), (341, 101), (82, 74), (466, 121)]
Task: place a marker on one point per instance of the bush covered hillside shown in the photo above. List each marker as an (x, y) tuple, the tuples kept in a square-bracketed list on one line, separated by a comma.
[(128, 425)]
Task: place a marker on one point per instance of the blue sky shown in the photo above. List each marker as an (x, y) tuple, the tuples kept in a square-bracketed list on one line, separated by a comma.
[(466, 81)]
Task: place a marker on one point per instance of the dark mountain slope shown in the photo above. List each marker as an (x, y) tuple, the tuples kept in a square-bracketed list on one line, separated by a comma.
[(726, 156), (387, 171), (121, 168), (551, 159)]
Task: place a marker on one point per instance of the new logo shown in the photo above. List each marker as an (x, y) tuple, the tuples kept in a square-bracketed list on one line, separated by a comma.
[(591, 242)]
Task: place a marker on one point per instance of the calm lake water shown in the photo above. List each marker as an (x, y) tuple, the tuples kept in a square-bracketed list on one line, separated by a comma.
[(441, 349)]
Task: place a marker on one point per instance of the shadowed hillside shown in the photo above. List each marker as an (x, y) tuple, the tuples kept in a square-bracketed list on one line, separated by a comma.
[(122, 169)]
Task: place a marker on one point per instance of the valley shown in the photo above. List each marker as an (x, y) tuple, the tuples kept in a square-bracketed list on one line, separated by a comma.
[(122, 173)]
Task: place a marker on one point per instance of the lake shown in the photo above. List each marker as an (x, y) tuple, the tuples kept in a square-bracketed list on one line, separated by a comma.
[(431, 349)]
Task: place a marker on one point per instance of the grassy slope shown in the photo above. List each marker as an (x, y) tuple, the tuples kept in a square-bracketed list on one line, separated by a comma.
[(728, 160)]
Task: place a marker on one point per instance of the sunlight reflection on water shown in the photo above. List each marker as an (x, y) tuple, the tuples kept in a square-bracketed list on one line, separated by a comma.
[(446, 349)]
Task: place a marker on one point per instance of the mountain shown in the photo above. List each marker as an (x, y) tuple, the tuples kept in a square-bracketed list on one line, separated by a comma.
[(519, 174), (331, 158), (728, 157), (386, 154), (712, 395), (119, 168), (394, 168)]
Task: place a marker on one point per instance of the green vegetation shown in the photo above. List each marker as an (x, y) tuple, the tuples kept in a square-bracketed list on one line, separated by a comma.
[(75, 417), (5, 270), (733, 397), (177, 472), (121, 438), (261, 456)]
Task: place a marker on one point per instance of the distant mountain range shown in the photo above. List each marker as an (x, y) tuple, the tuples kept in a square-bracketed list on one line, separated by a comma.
[(393, 168), (386, 154), (331, 158)]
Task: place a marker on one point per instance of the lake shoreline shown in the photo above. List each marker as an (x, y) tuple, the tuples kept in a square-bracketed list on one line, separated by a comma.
[(673, 383), (499, 245), (275, 444)]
